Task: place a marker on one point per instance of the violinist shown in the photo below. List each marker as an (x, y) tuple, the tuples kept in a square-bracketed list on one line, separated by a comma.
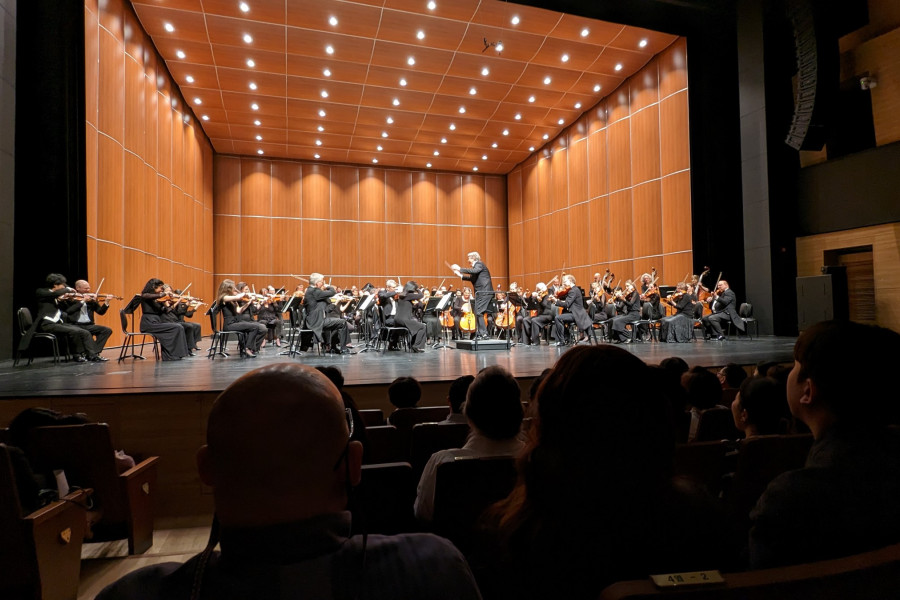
[(404, 316), (574, 301), (722, 303), (480, 277), (171, 336), (650, 297), (628, 311), (532, 326), (463, 317), (328, 330), (80, 312), (430, 318), (179, 310), (50, 319), (269, 314), (677, 327), (511, 313), (387, 299), (236, 304)]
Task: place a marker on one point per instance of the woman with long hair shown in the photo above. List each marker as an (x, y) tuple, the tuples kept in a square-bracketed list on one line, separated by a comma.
[(235, 304), (404, 316), (170, 335)]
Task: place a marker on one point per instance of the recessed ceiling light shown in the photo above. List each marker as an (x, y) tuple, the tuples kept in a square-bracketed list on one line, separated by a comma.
[(642, 43), (180, 54), (547, 80), (443, 140), (462, 110), (518, 117), (420, 34), (402, 82), (506, 132), (260, 152), (169, 27), (564, 58), (254, 106), (472, 91), (428, 165), (189, 79), (546, 135), (324, 94), (384, 134), (198, 101), (327, 72), (316, 155), (390, 120), (514, 20), (205, 117), (259, 138), (531, 148), (332, 20), (431, 5), (320, 129), (252, 86), (374, 160), (257, 122), (578, 105), (318, 142), (619, 67), (380, 148), (494, 145), (329, 49), (321, 113), (395, 102), (436, 153), (410, 61), (499, 47), (485, 71), (474, 168), (531, 98), (251, 63), (452, 127), (585, 32), (484, 157), (597, 88), (244, 7), (248, 38), (561, 121)]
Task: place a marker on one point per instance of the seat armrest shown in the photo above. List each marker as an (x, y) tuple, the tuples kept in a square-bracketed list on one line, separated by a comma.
[(140, 468), (54, 509)]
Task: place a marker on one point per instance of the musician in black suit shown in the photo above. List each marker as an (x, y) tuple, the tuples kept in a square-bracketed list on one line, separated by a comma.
[(722, 305), (480, 277), (404, 316), (50, 319), (532, 326), (628, 310), (80, 312), (387, 300), (329, 330), (574, 301)]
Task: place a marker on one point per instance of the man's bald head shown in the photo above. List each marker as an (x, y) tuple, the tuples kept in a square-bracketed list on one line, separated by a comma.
[(273, 439)]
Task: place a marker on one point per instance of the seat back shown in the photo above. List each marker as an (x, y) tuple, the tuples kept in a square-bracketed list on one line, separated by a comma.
[(385, 445), (428, 438), (746, 310), (716, 423), (406, 418), (25, 320), (372, 417), (17, 551), (212, 312), (383, 501), (702, 464), (463, 489), (698, 310)]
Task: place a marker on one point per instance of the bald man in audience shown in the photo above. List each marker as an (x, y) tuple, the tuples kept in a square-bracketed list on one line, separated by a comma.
[(281, 464)]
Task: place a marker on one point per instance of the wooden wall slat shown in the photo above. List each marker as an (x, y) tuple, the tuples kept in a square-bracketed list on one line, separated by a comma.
[(398, 196), (316, 192), (673, 68), (673, 135), (645, 145), (344, 190), (473, 200), (619, 140), (110, 189), (256, 188), (514, 196), (449, 199), (676, 212), (599, 224), (647, 219), (315, 244), (286, 189), (598, 182), (544, 186), (256, 245), (424, 198), (344, 245), (111, 96), (371, 194), (530, 190), (621, 235), (286, 235), (530, 248), (578, 171), (134, 111), (426, 259), (559, 180), (373, 254), (226, 241)]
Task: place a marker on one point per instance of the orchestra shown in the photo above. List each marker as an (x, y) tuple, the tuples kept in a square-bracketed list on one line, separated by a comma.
[(559, 310)]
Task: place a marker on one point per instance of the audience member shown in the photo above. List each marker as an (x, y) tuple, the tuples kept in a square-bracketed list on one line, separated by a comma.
[(758, 407), (532, 391), (730, 377), (404, 392), (456, 398), (336, 377), (494, 412), (703, 392), (595, 501), (844, 500), (762, 368), (281, 464)]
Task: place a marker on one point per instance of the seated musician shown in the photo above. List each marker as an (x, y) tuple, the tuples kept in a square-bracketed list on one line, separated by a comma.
[(387, 299), (178, 310), (574, 301), (269, 314), (155, 305), (533, 326), (235, 302), (80, 312), (50, 319), (722, 303), (628, 310), (649, 296), (677, 327), (328, 330)]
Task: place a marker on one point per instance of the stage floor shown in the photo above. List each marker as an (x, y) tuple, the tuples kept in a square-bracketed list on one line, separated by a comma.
[(44, 378)]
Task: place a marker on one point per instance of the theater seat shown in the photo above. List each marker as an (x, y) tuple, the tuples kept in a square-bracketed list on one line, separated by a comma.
[(384, 445), (871, 575), (383, 501), (428, 438)]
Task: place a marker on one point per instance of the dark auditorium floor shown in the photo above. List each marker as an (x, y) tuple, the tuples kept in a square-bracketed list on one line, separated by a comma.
[(44, 378)]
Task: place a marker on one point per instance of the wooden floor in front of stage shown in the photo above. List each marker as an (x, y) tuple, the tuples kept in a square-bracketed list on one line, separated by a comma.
[(199, 374)]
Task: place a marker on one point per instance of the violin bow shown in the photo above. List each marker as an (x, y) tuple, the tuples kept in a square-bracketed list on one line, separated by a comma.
[(300, 278), (97, 291)]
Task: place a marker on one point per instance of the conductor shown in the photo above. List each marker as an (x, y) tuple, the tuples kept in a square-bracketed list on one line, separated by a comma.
[(480, 277)]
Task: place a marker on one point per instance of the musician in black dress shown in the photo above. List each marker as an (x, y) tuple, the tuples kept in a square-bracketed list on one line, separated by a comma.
[(574, 301), (404, 317), (480, 277), (176, 313), (192, 331), (269, 314), (677, 327), (235, 302), (628, 310), (533, 326), (328, 330), (170, 335)]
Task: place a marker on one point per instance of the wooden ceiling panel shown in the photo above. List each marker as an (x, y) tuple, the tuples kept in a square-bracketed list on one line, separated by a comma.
[(368, 69)]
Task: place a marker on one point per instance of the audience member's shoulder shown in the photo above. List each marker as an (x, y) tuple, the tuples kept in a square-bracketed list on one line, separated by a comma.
[(152, 582)]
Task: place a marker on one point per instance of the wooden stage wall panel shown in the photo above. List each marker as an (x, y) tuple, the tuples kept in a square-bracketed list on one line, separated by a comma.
[(612, 190), (149, 167), (355, 224)]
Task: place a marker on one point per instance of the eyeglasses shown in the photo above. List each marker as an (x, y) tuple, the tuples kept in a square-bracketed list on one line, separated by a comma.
[(349, 415)]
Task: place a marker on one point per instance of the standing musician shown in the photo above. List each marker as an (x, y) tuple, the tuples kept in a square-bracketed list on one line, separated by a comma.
[(329, 330), (677, 327), (80, 312), (153, 307), (722, 305), (573, 299), (480, 277), (404, 316), (628, 310), (50, 319), (532, 326), (235, 302)]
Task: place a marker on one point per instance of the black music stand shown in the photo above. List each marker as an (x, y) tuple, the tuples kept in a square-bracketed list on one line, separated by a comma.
[(513, 301), (437, 305), (364, 306)]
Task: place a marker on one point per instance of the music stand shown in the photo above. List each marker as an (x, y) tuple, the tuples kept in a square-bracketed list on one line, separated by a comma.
[(365, 304), (289, 351), (493, 304), (438, 304)]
